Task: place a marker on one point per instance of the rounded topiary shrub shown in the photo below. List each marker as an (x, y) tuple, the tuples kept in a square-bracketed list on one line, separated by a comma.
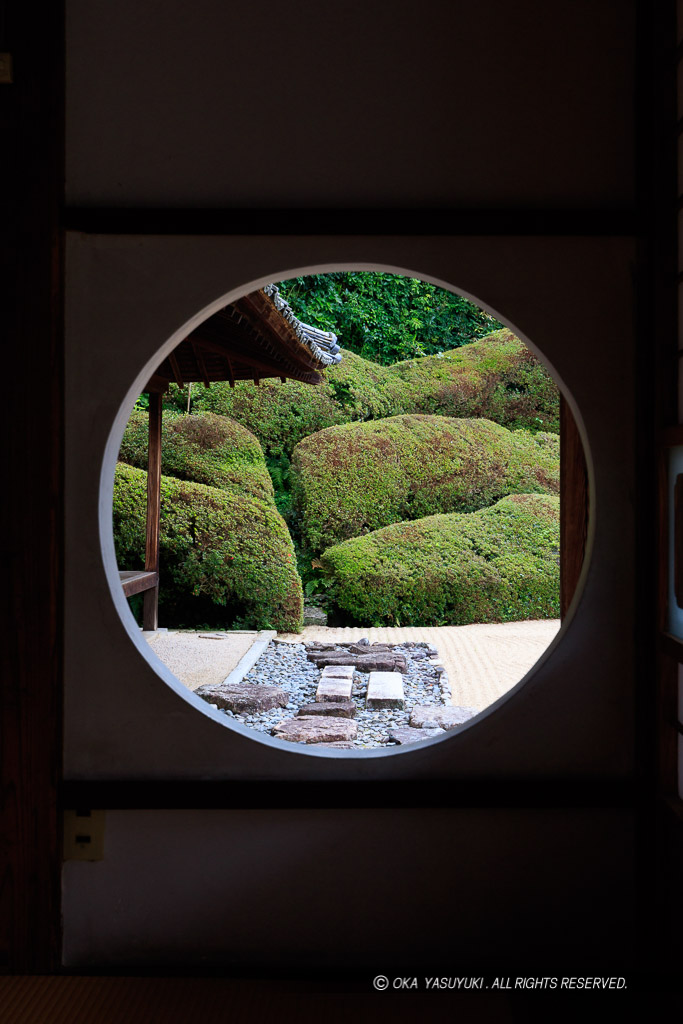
[(499, 564), (208, 449), (352, 479), (225, 557), (496, 377), (278, 413)]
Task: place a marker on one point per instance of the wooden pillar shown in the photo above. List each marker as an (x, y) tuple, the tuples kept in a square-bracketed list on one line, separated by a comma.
[(32, 428), (151, 598), (573, 506)]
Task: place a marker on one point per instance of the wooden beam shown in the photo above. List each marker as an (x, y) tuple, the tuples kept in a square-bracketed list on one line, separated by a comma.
[(138, 582), (151, 599), (573, 506), (176, 370), (268, 369), (201, 365), (156, 383), (230, 329)]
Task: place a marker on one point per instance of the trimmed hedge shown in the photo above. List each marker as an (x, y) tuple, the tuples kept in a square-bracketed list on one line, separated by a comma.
[(496, 377), (207, 449), (226, 558), (351, 479), (499, 564)]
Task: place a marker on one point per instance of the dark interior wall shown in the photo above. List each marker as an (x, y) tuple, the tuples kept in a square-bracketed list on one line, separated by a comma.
[(454, 107), (352, 104)]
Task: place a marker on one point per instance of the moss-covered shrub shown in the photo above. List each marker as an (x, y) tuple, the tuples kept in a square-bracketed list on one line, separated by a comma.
[(208, 449), (496, 377), (224, 556), (499, 564), (358, 477), (280, 415)]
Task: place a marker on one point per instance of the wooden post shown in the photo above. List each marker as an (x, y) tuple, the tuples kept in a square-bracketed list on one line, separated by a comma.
[(573, 506), (151, 598)]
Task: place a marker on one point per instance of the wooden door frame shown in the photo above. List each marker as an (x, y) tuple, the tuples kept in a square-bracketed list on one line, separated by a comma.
[(33, 595)]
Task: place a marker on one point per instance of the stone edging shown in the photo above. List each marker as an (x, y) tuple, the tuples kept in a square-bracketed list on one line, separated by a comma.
[(248, 660)]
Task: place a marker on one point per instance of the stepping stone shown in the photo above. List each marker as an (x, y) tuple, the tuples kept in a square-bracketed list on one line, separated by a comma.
[(385, 690), (316, 729), (337, 746), (367, 649), (338, 709), (381, 662), (322, 658), (337, 672), (445, 716), (243, 698), (404, 734), (333, 688)]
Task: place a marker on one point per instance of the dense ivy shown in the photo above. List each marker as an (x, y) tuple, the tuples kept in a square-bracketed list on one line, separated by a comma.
[(499, 564), (386, 317)]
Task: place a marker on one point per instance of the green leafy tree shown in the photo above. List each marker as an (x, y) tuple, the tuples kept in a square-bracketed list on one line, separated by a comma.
[(386, 317)]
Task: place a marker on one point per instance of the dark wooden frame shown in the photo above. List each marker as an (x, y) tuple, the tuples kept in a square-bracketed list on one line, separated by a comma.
[(33, 592), (32, 410), (574, 506)]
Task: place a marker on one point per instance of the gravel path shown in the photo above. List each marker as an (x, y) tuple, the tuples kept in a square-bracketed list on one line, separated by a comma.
[(286, 665), (483, 661)]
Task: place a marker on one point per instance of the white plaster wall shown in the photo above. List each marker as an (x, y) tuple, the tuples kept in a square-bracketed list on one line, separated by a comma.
[(130, 299)]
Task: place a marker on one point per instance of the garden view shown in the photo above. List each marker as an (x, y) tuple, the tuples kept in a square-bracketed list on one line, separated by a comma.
[(417, 485)]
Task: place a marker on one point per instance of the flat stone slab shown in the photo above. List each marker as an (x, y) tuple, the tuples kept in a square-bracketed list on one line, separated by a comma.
[(403, 735), (381, 661), (321, 658), (446, 717), (337, 672), (316, 729), (338, 709), (334, 689), (243, 698), (337, 746), (385, 690), (368, 648)]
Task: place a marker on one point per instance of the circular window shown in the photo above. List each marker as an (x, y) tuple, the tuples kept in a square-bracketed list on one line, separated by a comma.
[(337, 512)]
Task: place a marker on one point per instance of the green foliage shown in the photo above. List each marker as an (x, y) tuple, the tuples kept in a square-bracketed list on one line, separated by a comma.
[(208, 449), (496, 377), (280, 415), (385, 317), (358, 477), (499, 564), (224, 556)]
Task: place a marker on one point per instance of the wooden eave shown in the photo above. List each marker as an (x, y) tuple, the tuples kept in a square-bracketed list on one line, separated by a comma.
[(247, 340)]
